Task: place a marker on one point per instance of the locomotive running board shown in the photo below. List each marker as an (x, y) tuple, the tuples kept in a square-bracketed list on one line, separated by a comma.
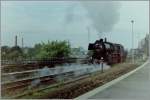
[(103, 87)]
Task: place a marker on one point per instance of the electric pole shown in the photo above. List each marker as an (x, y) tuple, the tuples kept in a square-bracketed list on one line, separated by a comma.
[(15, 40)]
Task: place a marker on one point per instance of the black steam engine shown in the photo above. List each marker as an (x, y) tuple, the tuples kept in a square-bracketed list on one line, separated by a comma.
[(110, 53)]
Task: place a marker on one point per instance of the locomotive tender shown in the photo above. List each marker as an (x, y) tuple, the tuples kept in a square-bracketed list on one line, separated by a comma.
[(111, 53)]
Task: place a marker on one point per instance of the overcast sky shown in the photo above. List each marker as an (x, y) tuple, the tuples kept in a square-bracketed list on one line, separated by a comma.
[(49, 20)]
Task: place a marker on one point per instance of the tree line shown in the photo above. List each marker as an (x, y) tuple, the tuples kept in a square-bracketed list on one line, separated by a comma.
[(40, 51)]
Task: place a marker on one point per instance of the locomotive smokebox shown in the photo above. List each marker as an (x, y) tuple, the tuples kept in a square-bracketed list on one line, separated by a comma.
[(91, 46)]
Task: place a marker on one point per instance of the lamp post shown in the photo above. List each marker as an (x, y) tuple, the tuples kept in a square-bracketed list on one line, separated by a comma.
[(132, 22), (149, 44)]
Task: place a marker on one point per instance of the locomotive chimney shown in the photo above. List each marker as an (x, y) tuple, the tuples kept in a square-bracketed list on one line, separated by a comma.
[(105, 39)]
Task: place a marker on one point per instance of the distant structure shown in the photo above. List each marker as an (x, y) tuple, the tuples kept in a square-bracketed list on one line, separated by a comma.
[(144, 45), (16, 41)]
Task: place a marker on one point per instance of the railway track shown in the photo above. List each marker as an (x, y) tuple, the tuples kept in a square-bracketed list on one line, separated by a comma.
[(45, 82), (28, 81), (25, 84), (26, 75), (52, 86)]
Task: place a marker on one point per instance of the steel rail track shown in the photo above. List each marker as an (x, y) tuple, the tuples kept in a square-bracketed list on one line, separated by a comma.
[(27, 81), (13, 73), (53, 86), (44, 81), (23, 83), (37, 71)]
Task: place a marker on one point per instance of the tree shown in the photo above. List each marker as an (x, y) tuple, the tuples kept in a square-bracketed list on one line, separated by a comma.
[(4, 52), (11, 53), (15, 53), (58, 49), (54, 49)]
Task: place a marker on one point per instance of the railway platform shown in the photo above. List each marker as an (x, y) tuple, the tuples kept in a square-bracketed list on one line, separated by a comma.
[(136, 86)]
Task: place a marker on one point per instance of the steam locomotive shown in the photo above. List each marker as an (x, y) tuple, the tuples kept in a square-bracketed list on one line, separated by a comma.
[(108, 52)]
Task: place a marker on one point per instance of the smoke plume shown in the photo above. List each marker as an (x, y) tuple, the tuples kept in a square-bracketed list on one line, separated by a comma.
[(69, 17), (103, 14)]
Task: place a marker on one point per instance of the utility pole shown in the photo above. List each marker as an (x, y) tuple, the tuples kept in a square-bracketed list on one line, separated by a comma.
[(132, 22), (149, 44), (15, 40)]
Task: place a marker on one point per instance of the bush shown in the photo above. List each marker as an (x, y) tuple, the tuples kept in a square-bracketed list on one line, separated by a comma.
[(54, 49), (58, 49)]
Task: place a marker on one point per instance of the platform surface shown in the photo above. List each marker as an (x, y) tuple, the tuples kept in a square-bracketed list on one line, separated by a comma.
[(136, 86)]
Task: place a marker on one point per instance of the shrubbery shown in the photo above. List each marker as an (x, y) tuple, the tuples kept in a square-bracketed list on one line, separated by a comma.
[(39, 51)]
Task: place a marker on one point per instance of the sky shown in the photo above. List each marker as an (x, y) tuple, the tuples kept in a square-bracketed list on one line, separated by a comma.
[(40, 21)]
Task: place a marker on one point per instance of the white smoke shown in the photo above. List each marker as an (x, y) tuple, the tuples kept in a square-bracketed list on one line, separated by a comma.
[(69, 17), (104, 15), (34, 83), (44, 71)]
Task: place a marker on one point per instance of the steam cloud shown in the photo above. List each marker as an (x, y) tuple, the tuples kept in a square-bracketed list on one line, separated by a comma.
[(69, 17), (103, 14)]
